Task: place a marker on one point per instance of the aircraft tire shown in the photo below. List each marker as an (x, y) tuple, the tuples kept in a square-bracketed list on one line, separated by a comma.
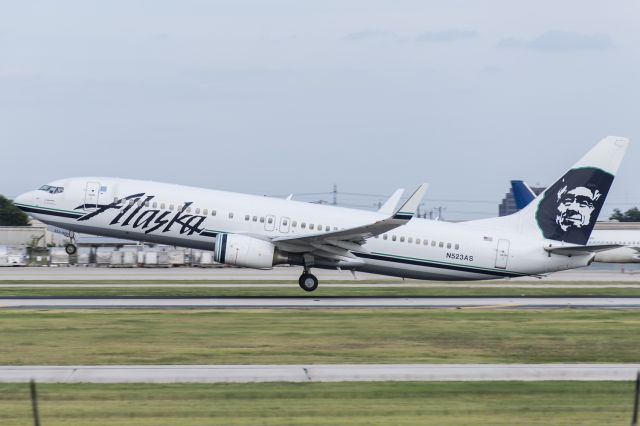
[(308, 282), (70, 249)]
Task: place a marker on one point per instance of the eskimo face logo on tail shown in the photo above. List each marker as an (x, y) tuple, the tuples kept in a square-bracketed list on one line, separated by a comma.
[(133, 211), (570, 208)]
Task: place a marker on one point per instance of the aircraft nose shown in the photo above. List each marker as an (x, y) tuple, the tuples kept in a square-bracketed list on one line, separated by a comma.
[(23, 199)]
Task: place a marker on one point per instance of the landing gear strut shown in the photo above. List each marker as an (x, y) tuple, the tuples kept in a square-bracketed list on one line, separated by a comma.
[(307, 281), (71, 248)]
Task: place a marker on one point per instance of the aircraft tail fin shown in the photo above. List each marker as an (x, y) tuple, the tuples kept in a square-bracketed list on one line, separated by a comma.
[(567, 210), (522, 193)]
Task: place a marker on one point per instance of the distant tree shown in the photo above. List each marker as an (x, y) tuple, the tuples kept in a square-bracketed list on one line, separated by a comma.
[(631, 215), (10, 215)]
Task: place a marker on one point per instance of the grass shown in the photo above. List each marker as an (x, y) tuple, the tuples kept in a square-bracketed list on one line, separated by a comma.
[(265, 336), (428, 403)]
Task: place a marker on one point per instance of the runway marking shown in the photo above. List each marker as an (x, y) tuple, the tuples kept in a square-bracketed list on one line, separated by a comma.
[(316, 373)]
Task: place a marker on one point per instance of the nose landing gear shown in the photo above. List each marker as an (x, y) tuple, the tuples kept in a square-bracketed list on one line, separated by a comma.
[(308, 281)]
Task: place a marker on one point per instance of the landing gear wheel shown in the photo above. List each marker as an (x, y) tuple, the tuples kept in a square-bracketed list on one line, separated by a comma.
[(308, 282), (70, 249)]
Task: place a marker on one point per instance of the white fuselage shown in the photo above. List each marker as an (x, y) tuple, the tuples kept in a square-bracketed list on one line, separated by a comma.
[(422, 249)]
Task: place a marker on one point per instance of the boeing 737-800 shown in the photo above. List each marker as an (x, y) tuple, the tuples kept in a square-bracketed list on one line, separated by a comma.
[(260, 232)]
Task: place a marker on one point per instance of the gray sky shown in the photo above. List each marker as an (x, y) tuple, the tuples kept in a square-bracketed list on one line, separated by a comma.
[(272, 97)]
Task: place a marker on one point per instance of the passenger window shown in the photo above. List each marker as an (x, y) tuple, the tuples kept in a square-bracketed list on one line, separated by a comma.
[(284, 222), (327, 228), (198, 210), (179, 208), (146, 203), (213, 212), (270, 220), (433, 243), (441, 244), (335, 228), (188, 209), (262, 219), (246, 217), (393, 238), (425, 242), (417, 240), (132, 202), (154, 205), (311, 226), (255, 218), (402, 239), (171, 207), (115, 200), (303, 225), (457, 246), (230, 215), (205, 212), (294, 224), (384, 237), (410, 239), (162, 206), (448, 245)]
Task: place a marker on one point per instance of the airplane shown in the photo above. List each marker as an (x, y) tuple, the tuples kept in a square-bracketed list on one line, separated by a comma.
[(261, 232), (630, 239)]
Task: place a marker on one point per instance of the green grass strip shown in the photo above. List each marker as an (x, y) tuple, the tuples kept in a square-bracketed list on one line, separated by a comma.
[(290, 336), (351, 404)]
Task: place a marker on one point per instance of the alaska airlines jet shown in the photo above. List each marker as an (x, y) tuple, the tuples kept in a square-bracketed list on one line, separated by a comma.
[(260, 232), (523, 195)]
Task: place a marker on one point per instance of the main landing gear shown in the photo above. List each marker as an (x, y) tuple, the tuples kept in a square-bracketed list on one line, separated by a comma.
[(71, 248), (307, 281)]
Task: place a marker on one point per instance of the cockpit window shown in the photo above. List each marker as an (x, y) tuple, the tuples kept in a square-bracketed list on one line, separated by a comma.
[(51, 189)]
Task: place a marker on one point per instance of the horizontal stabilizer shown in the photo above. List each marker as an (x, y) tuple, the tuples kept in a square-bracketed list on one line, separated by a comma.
[(580, 250)]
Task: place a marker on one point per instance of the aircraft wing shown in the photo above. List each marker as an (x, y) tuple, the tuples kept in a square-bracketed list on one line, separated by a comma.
[(337, 245), (579, 250)]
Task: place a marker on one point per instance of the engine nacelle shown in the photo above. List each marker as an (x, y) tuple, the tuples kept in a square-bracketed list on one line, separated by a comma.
[(241, 250)]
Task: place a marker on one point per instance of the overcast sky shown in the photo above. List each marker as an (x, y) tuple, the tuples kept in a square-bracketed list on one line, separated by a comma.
[(273, 97)]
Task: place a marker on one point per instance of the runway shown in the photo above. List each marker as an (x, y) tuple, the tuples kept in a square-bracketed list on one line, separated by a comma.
[(257, 284), (317, 373), (315, 303), (595, 273)]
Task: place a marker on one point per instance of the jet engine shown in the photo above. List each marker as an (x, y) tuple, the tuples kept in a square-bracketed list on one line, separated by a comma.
[(248, 252)]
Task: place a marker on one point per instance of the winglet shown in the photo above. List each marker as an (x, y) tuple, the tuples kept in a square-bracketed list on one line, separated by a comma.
[(390, 205), (409, 208)]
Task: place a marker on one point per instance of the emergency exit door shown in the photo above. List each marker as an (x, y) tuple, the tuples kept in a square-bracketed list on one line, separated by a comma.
[(502, 254), (91, 195)]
